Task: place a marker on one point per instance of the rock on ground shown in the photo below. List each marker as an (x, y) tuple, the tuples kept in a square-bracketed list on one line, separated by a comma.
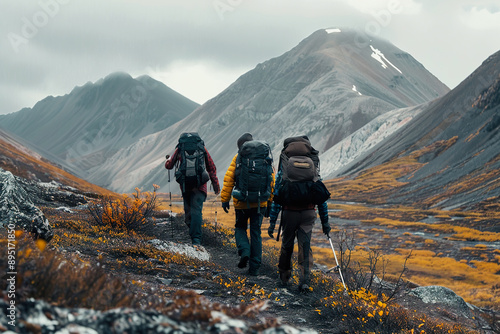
[(17, 208)]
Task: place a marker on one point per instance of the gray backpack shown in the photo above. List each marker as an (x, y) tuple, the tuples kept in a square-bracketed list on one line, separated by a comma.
[(191, 172)]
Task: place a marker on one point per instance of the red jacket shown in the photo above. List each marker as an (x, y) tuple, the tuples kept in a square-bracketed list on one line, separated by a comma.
[(210, 166)]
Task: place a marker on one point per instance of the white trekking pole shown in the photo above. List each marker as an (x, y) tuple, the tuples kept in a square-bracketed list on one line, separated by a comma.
[(215, 200), (337, 262), (170, 218)]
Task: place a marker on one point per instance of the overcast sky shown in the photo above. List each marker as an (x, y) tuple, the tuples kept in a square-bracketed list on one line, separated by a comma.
[(200, 47)]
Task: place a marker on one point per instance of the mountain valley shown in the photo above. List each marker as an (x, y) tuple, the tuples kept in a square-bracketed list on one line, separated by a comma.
[(412, 166)]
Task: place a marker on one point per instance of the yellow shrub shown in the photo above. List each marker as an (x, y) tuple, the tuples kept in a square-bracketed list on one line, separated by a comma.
[(127, 213)]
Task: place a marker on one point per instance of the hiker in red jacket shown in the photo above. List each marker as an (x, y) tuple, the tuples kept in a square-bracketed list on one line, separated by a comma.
[(194, 167)]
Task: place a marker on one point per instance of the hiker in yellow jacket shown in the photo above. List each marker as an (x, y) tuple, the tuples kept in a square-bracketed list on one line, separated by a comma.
[(250, 251)]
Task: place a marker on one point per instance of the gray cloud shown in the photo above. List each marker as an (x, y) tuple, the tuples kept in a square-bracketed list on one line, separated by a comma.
[(64, 43)]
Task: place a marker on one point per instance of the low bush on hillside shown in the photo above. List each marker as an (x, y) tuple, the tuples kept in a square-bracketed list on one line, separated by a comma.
[(130, 212), (66, 281)]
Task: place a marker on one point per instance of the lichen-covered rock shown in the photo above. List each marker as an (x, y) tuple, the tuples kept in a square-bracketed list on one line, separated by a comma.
[(194, 252), (436, 294), (53, 319), (17, 208)]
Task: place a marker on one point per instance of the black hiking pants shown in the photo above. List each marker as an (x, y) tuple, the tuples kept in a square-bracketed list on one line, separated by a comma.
[(297, 224), (253, 247)]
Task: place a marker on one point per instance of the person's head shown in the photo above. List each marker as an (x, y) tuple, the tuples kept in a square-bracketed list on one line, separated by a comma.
[(243, 139)]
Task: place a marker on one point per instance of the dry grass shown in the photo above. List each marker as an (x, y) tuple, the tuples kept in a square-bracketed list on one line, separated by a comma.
[(61, 279), (376, 184), (474, 280)]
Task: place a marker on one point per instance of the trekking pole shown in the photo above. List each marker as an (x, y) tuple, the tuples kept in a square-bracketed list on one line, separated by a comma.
[(337, 262), (214, 204), (216, 217), (170, 206)]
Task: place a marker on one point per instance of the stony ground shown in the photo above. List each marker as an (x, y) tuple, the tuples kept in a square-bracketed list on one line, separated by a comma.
[(273, 303), (284, 305)]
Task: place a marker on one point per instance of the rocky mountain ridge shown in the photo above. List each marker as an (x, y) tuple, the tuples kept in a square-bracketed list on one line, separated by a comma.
[(463, 173), (326, 87), (83, 128)]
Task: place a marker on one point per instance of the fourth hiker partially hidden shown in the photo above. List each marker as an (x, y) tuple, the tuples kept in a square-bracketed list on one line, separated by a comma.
[(297, 192)]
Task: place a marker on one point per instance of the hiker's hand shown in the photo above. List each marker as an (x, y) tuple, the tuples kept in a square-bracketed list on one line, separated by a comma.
[(167, 156), (225, 206), (270, 232), (326, 229)]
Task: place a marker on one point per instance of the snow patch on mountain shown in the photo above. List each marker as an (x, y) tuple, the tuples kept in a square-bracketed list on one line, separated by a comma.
[(332, 30), (379, 56)]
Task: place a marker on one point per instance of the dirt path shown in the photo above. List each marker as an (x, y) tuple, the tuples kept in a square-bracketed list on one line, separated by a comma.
[(285, 304)]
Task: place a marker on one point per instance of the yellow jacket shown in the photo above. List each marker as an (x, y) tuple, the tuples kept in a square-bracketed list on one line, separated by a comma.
[(228, 185)]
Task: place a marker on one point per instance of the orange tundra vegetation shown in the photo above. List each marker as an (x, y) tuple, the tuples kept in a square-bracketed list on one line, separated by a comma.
[(375, 184), (24, 165), (70, 279)]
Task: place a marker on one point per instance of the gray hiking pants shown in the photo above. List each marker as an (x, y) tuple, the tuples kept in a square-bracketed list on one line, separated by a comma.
[(193, 206), (297, 224)]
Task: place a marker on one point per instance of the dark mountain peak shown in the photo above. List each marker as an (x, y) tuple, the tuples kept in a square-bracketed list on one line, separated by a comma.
[(111, 80), (346, 37), (117, 76), (82, 129)]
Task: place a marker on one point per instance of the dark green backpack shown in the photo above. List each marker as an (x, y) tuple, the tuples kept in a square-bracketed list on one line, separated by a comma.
[(191, 172), (253, 174)]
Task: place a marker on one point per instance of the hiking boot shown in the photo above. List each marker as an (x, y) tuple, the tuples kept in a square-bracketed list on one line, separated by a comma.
[(304, 288), (283, 281), (283, 284), (253, 272), (243, 262), (284, 278)]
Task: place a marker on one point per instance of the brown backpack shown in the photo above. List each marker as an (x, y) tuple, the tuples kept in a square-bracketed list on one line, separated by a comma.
[(300, 179)]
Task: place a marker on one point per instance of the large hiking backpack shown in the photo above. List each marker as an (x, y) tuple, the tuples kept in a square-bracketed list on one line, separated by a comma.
[(191, 172), (253, 173), (300, 180)]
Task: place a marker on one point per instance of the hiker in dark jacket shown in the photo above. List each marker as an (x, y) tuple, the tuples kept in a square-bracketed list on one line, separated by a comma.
[(193, 198), (248, 250), (296, 221)]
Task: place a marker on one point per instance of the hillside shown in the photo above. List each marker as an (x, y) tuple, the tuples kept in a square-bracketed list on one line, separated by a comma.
[(83, 128), (150, 278), (25, 163), (105, 275), (326, 87), (447, 156)]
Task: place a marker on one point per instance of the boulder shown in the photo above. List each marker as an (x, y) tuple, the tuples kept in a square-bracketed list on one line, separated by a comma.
[(436, 294), (18, 211)]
